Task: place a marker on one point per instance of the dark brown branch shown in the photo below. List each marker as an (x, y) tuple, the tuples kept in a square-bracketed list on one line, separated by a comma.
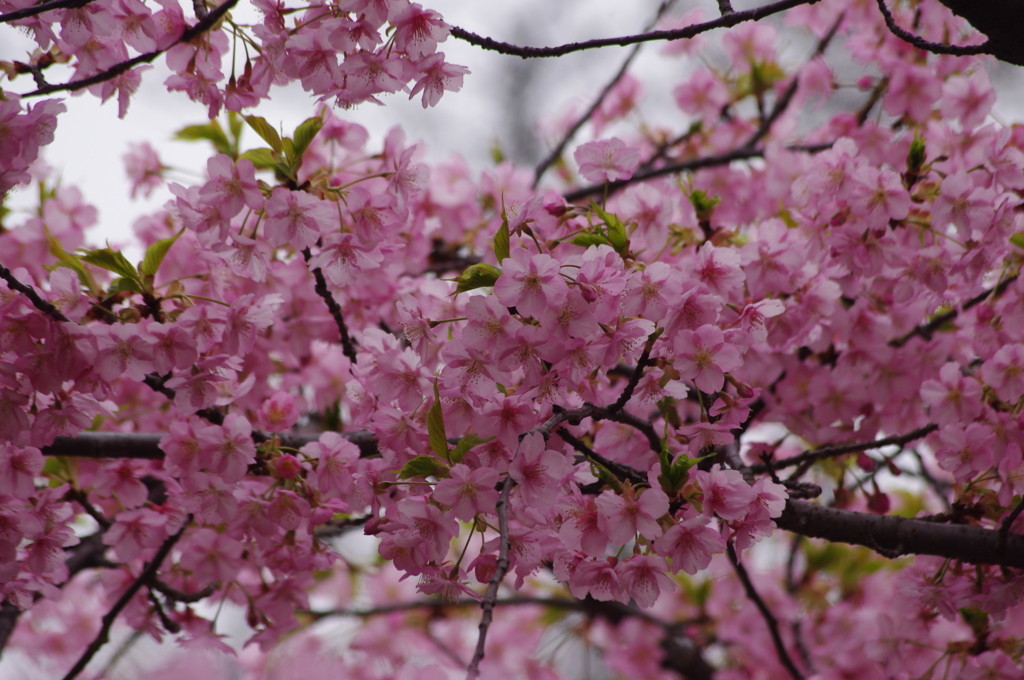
[(146, 446), (491, 595), (638, 372), (148, 573), (28, 291), (922, 44), (893, 536), (925, 330), (347, 346), (1000, 20), (33, 10), (766, 614), (200, 27), (581, 121), (678, 34), (617, 469), (809, 457)]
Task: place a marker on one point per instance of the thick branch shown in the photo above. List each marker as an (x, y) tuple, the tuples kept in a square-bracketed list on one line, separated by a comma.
[(895, 536), (146, 446), (1000, 20), (922, 44), (678, 34)]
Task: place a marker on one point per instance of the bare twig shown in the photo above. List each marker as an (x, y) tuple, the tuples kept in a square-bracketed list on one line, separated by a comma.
[(638, 371), (148, 573), (347, 346), (491, 596), (200, 27), (28, 291), (925, 330), (581, 121), (725, 7), (769, 618), (809, 457), (927, 45), (34, 10), (677, 34), (619, 470)]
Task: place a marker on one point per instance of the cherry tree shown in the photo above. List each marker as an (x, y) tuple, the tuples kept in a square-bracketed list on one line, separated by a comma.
[(736, 398)]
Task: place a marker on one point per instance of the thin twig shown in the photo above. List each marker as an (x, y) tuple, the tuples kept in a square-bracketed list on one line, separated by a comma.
[(638, 371), (769, 618), (926, 45), (618, 469), (725, 7), (148, 573), (347, 346), (200, 27), (34, 10), (925, 330), (581, 121), (816, 455), (491, 596), (28, 291), (623, 41)]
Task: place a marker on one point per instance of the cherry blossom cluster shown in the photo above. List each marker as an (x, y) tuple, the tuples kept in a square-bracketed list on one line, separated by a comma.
[(616, 390)]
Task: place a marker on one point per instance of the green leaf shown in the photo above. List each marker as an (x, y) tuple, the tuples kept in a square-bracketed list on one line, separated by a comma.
[(122, 284), (502, 248), (266, 131), (155, 254), (586, 240), (1017, 240), (477, 276), (616, 230), (289, 151), (111, 260), (420, 466), (211, 132), (262, 157), (465, 444), (304, 134), (66, 259), (435, 427)]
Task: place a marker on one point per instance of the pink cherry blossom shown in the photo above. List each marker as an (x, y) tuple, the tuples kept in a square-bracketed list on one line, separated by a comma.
[(704, 356), (606, 160)]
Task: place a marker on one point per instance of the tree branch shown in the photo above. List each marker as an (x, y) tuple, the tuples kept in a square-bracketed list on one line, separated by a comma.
[(922, 44), (33, 10), (200, 27), (491, 596), (809, 457), (148, 573), (347, 347), (567, 137), (678, 34), (28, 291), (146, 446), (769, 618), (893, 536), (925, 330)]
